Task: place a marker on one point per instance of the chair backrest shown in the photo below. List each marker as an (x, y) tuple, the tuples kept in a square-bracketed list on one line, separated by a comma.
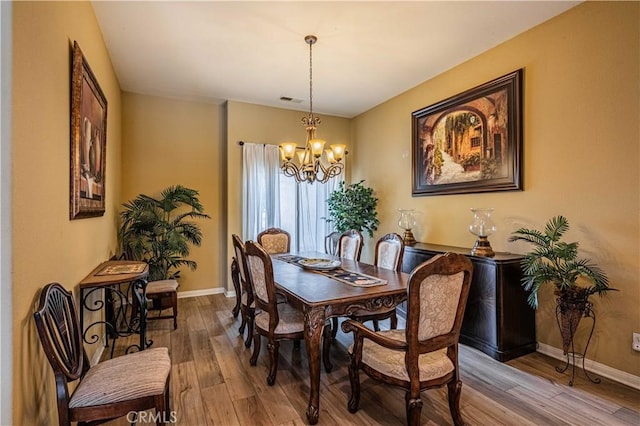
[(331, 243), (241, 257), (275, 240), (260, 271), (437, 296), (57, 324), (389, 252), (350, 245)]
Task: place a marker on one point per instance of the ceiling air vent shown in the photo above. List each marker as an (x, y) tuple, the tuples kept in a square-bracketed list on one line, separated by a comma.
[(288, 99)]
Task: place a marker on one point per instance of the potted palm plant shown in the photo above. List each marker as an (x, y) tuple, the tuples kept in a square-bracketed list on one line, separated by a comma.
[(160, 231), (553, 261)]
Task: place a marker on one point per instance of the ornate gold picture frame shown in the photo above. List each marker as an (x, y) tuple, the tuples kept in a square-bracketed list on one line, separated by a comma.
[(88, 141)]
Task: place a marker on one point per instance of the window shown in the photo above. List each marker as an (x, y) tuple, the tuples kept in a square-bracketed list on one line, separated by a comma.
[(272, 199)]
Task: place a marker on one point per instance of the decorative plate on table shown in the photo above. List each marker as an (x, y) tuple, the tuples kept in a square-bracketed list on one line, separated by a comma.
[(319, 264)]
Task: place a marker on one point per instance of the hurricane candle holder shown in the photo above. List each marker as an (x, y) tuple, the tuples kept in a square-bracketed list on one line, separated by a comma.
[(407, 221), (482, 226)]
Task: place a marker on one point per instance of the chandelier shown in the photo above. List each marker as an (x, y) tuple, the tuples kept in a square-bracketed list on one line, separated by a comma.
[(308, 164)]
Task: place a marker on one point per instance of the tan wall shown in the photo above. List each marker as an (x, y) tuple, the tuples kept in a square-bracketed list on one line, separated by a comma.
[(261, 124), (581, 158), (47, 246), (168, 142)]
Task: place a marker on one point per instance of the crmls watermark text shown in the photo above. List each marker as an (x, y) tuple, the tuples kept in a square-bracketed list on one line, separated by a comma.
[(152, 418)]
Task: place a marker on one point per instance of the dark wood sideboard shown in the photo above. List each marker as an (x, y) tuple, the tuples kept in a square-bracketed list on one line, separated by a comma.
[(498, 321)]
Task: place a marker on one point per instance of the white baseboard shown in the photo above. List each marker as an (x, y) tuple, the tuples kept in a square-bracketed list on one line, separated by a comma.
[(195, 293), (230, 293), (594, 367)]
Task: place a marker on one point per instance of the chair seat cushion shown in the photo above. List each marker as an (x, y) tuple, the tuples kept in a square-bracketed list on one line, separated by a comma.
[(126, 377), (291, 320), (162, 286), (243, 300), (391, 362)]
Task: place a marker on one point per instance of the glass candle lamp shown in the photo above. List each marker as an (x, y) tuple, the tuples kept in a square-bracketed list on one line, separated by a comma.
[(407, 221), (482, 226)]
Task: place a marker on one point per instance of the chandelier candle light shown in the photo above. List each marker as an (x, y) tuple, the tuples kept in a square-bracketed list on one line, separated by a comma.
[(310, 165), (482, 226)]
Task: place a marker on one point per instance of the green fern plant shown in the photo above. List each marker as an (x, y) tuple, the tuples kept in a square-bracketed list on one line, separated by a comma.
[(161, 231), (555, 261)]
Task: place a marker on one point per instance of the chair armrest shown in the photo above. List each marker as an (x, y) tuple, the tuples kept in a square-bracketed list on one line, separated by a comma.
[(281, 297), (360, 332)]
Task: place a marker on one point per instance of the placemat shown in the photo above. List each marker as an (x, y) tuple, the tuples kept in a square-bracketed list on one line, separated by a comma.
[(356, 279), (134, 268)]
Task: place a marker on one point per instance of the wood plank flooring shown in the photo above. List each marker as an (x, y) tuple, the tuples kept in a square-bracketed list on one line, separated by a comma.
[(213, 383)]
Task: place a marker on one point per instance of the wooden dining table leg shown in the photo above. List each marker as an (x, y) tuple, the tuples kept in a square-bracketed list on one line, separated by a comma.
[(313, 327)]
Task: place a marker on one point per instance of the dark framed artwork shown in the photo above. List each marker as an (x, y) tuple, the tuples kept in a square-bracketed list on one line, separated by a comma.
[(471, 142), (88, 141)]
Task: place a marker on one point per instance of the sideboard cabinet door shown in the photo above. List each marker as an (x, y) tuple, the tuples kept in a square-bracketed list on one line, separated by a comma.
[(497, 320)]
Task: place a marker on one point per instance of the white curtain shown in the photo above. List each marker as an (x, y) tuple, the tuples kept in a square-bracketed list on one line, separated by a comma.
[(312, 211), (260, 189), (272, 199)]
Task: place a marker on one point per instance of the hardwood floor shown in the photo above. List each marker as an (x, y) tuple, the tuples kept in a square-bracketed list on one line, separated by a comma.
[(213, 383)]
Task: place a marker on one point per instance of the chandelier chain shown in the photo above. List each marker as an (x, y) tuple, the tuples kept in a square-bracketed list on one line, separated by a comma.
[(314, 163), (311, 79)]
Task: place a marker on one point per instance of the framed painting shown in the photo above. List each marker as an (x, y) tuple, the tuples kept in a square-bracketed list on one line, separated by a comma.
[(88, 141), (471, 142)]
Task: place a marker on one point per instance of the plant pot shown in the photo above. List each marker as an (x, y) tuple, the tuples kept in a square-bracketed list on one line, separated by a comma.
[(570, 309)]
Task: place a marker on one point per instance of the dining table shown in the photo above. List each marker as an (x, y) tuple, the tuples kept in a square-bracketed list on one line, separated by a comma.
[(325, 293)]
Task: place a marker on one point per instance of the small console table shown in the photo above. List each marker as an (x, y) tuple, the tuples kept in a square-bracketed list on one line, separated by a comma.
[(497, 320), (124, 320)]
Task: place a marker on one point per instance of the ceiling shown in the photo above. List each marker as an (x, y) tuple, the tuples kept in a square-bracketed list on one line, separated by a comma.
[(367, 51)]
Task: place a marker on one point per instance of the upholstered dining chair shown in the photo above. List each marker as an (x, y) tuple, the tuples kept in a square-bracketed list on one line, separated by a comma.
[(350, 245), (388, 255), (247, 304), (331, 243), (425, 354), (134, 382), (237, 287), (276, 321), (275, 240)]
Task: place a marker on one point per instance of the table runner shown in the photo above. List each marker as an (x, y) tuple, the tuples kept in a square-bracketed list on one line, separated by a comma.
[(355, 279)]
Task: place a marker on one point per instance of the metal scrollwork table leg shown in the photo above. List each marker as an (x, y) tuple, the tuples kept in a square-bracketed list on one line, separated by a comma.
[(118, 288)]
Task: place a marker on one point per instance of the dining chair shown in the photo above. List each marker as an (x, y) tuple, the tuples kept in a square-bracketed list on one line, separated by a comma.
[(425, 354), (331, 243), (388, 255), (276, 321), (275, 240), (134, 382), (350, 245), (247, 304), (235, 279)]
